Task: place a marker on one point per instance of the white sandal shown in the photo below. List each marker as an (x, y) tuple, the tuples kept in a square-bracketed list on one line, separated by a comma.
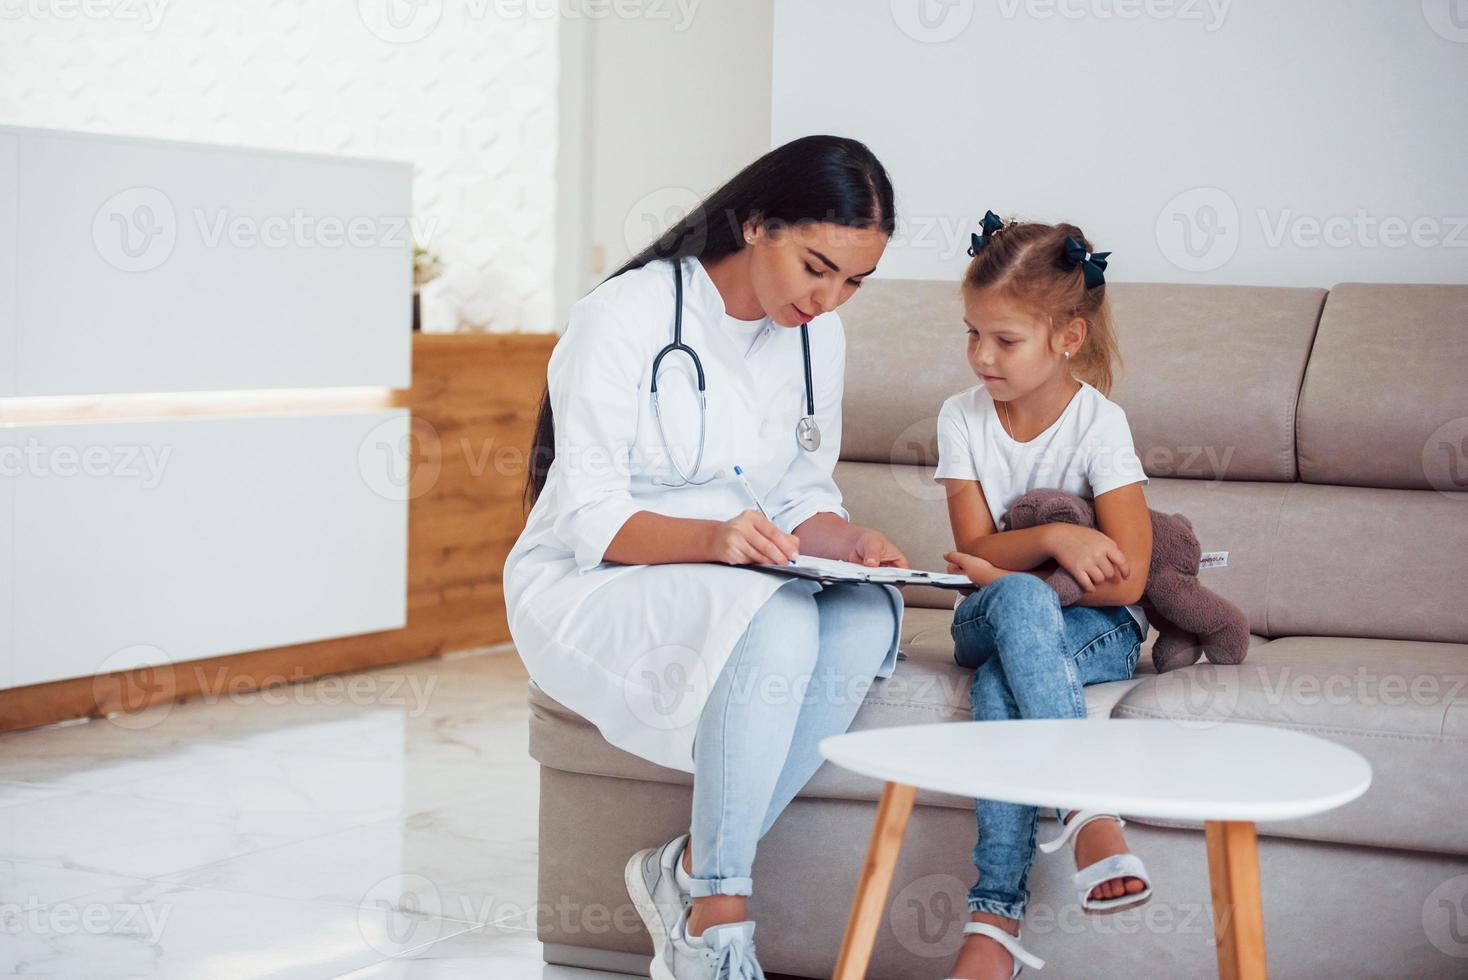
[(1022, 956), (1116, 866)]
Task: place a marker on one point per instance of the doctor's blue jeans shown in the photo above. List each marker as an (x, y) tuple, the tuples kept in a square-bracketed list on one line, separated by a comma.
[(1031, 658), (797, 674)]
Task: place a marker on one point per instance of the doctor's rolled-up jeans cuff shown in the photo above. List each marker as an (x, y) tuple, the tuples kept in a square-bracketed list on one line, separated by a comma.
[(706, 887)]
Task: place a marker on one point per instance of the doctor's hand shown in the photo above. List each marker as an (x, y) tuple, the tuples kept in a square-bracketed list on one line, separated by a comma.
[(752, 539), (873, 548)]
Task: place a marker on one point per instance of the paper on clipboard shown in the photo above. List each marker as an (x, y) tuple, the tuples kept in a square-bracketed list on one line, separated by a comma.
[(832, 570)]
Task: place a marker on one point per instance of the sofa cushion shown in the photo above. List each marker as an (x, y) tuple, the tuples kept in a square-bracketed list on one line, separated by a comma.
[(905, 343), (1383, 402), (1212, 375), (1402, 704), (1357, 561), (1241, 518), (1302, 559), (1210, 381)]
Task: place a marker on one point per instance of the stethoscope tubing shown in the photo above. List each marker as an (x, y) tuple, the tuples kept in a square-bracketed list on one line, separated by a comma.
[(808, 433)]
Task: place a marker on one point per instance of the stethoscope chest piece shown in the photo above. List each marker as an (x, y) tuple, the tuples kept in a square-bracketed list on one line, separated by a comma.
[(808, 434)]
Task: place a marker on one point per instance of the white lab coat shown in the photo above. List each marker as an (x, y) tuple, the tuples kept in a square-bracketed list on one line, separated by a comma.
[(636, 649)]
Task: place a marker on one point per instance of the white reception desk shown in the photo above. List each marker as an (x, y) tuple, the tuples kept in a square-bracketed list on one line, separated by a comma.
[(147, 266)]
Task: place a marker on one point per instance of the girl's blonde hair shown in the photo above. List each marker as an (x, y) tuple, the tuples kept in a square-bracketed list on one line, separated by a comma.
[(1027, 261)]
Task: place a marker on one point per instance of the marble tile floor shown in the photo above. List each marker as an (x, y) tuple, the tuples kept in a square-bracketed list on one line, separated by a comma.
[(376, 826)]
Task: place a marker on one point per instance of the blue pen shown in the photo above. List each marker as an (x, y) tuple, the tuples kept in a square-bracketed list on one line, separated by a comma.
[(750, 490)]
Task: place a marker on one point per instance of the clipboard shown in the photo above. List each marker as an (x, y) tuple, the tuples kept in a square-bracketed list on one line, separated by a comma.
[(831, 571)]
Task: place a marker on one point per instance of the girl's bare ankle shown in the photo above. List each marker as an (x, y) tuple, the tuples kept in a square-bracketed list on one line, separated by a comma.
[(983, 955), (1009, 925), (716, 910)]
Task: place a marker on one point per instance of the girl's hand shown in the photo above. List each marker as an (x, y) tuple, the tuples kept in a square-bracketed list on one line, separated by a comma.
[(873, 548), (1090, 556), (752, 539), (979, 571)]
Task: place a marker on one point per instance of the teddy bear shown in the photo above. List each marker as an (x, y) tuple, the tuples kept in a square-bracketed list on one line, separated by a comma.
[(1191, 620)]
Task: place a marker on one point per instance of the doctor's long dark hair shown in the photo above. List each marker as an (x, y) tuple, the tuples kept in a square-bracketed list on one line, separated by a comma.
[(827, 179)]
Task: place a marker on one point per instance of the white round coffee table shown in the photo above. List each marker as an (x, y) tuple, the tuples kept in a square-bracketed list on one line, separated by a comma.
[(1146, 768)]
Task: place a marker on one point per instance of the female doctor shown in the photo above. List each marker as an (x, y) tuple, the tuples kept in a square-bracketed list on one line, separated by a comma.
[(630, 592)]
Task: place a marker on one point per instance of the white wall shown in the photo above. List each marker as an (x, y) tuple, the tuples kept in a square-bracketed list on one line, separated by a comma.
[(657, 110), (1301, 143), (465, 91)]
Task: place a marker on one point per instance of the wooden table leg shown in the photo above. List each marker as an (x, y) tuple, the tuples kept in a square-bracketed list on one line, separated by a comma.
[(1238, 912), (876, 879)]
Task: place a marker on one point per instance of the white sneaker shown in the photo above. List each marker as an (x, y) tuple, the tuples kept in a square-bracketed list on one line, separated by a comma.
[(723, 952), (652, 884)]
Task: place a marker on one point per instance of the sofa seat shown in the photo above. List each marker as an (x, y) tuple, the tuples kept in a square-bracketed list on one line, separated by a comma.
[(1401, 704), (926, 687)]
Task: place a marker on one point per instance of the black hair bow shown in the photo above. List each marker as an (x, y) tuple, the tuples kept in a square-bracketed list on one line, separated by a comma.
[(1093, 264), (991, 223)]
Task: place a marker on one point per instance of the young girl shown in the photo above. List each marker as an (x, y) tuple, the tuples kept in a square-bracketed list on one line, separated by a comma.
[(1040, 340)]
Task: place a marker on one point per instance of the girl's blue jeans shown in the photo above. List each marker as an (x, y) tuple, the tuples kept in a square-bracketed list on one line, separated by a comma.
[(1031, 659), (798, 674)]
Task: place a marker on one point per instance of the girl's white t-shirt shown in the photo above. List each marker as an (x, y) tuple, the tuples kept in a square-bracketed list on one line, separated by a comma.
[(1087, 451)]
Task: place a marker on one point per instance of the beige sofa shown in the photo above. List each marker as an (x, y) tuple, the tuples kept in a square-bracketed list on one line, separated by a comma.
[(1322, 441)]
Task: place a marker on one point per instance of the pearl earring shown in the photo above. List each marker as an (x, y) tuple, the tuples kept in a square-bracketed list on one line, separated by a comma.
[(1067, 355)]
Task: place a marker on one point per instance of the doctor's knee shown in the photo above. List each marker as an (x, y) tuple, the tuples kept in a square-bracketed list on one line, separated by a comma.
[(869, 620), (784, 635)]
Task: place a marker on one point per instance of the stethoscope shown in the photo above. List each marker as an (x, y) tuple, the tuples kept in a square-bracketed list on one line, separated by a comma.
[(807, 432)]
